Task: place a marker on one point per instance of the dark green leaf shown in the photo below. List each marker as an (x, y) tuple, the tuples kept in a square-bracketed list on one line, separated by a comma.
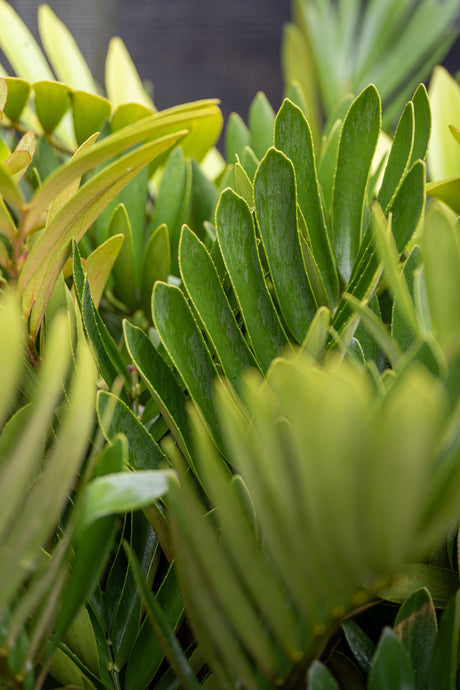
[(185, 345), (399, 157), (391, 666), (237, 241), (144, 453), (276, 211), (416, 626), (293, 137), (319, 678), (210, 301), (445, 655), (358, 141), (161, 384)]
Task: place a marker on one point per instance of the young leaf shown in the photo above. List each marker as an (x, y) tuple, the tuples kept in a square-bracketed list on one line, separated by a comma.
[(29, 63), (52, 101), (89, 111), (99, 265), (65, 56), (122, 80), (18, 95)]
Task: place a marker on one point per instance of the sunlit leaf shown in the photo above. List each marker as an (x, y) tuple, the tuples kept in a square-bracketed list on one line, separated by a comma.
[(52, 100), (62, 51), (122, 80)]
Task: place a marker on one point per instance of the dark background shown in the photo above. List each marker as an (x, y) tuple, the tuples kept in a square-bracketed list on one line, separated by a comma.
[(188, 49)]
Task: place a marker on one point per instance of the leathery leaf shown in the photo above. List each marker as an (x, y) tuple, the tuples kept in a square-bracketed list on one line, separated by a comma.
[(276, 212), (210, 301), (237, 242), (358, 141)]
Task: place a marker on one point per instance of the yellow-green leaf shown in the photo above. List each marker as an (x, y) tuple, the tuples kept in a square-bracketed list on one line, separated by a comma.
[(443, 156), (447, 191), (7, 226), (52, 101), (49, 253), (122, 81), (9, 189), (20, 47), (99, 264), (89, 113), (3, 95), (63, 53), (127, 113), (67, 193), (200, 116), (18, 94)]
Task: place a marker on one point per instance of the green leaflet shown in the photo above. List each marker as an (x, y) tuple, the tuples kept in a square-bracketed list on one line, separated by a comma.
[(144, 452), (422, 131), (391, 667), (237, 136), (173, 201), (92, 546), (319, 678), (124, 272), (261, 121), (120, 493), (162, 627), (185, 345), (210, 301), (403, 333), (156, 265), (224, 598), (237, 242), (161, 383), (147, 654), (399, 157), (109, 359), (445, 655), (358, 141), (416, 626), (293, 137), (276, 212)]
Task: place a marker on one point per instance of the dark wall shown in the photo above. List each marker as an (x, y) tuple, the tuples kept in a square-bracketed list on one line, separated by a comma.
[(188, 49)]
